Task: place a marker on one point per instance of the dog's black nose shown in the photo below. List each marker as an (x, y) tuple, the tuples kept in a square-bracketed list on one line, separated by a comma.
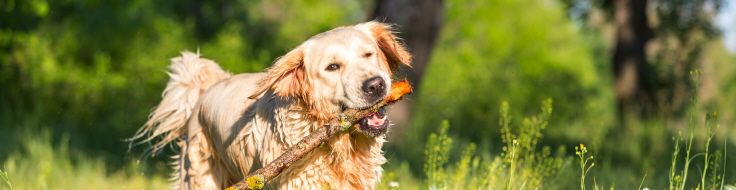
[(374, 88)]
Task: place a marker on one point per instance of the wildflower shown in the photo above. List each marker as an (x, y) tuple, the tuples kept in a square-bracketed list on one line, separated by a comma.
[(393, 184), (729, 187), (645, 188)]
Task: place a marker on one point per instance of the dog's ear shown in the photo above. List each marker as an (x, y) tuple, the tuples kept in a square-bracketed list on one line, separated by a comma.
[(285, 77), (393, 50)]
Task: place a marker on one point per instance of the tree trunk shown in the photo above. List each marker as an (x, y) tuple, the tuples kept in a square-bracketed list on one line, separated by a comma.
[(419, 22), (629, 59)]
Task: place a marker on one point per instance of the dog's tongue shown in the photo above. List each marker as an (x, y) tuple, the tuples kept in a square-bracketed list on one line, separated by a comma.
[(376, 119)]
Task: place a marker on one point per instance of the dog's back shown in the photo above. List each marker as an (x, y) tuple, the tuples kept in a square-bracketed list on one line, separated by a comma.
[(190, 76), (207, 112)]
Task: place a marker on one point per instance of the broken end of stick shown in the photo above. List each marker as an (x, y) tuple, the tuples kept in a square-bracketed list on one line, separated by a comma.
[(398, 90)]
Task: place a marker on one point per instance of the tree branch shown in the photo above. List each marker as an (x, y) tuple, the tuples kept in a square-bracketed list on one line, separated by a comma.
[(345, 120)]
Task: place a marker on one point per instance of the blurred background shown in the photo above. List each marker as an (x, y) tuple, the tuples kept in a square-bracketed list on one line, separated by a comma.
[(78, 77)]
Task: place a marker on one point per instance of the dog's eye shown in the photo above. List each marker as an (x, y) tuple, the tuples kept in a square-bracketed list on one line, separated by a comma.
[(333, 67), (367, 55)]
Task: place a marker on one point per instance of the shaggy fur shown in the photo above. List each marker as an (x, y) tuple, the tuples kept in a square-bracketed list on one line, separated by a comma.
[(228, 126)]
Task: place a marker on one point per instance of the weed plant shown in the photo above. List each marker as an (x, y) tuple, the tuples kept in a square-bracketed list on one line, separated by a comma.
[(4, 175), (580, 151), (521, 165), (712, 161)]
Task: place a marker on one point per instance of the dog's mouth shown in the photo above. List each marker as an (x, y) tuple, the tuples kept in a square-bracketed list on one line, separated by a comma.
[(375, 124)]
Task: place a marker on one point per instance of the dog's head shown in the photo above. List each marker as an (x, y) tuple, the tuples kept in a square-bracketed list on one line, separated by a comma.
[(347, 67)]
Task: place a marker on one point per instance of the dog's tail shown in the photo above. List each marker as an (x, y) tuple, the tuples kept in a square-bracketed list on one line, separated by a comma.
[(190, 77)]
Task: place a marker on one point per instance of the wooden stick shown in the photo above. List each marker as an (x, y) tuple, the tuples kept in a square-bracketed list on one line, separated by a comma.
[(345, 120)]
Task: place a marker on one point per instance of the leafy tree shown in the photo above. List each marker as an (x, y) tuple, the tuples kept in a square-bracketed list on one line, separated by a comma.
[(519, 51), (649, 83), (93, 69)]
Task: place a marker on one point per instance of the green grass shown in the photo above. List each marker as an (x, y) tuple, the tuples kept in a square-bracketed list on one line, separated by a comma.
[(40, 165), (4, 175)]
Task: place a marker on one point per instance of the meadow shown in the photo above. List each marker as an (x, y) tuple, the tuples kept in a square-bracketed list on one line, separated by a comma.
[(516, 95)]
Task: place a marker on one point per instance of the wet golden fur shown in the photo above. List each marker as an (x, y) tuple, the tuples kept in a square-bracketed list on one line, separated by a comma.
[(228, 126)]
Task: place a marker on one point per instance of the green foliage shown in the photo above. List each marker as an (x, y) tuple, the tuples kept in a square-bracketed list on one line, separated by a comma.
[(528, 166), (5, 177), (675, 35), (520, 166), (94, 69), (91, 70), (712, 161), (40, 165), (437, 155), (520, 52)]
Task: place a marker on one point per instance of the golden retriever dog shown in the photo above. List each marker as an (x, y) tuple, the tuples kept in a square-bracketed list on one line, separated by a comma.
[(227, 126)]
